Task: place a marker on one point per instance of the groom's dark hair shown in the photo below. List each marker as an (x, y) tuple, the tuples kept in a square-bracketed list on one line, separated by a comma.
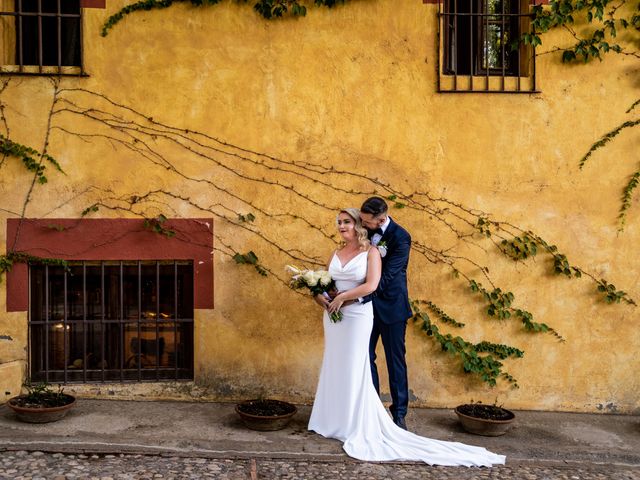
[(374, 206)]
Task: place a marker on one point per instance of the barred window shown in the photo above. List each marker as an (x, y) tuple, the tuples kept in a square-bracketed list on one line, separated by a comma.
[(479, 46), (41, 36), (111, 321)]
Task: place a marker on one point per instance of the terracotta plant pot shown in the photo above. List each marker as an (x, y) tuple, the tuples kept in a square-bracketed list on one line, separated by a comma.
[(40, 414), (485, 426), (265, 414)]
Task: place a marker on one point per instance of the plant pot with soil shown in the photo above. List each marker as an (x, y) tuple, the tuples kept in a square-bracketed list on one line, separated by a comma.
[(41, 404), (265, 414), (488, 420)]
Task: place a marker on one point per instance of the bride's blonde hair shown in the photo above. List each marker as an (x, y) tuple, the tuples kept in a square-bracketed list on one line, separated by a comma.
[(361, 232)]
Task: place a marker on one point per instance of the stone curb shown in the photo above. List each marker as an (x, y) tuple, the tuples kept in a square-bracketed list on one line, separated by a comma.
[(628, 461)]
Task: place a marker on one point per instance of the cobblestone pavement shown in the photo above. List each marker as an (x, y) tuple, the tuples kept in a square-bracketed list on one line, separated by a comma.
[(21, 465)]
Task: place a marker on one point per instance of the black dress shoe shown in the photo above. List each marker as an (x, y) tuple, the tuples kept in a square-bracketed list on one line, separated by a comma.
[(399, 421)]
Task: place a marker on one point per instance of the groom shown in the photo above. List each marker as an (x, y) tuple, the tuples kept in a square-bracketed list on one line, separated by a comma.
[(391, 308)]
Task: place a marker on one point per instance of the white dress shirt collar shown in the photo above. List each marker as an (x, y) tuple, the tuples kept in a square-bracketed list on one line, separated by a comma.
[(386, 224)]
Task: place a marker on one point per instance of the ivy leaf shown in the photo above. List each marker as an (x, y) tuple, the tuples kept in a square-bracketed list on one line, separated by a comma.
[(252, 258)]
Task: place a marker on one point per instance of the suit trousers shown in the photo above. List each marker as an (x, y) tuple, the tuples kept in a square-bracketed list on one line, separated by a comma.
[(393, 341)]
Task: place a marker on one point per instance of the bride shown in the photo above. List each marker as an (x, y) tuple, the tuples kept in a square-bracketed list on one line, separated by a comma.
[(346, 405)]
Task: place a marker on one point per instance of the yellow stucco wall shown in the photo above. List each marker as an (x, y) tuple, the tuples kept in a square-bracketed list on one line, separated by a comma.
[(354, 89)]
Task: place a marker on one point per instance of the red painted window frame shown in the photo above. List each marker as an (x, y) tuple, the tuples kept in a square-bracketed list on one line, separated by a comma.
[(93, 3), (110, 239)]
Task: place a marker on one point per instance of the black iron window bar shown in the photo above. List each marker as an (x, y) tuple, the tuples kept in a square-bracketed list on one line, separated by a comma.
[(477, 26), (68, 53), (61, 329)]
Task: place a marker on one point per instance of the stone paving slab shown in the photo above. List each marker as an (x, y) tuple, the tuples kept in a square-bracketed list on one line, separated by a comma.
[(214, 430), (23, 465)]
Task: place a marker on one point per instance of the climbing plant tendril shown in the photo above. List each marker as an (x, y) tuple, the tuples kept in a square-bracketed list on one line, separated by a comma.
[(605, 20), (606, 138), (153, 145), (269, 9)]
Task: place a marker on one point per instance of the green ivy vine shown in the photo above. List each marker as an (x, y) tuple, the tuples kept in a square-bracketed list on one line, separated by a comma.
[(269, 9), (482, 359), (499, 305), (603, 17), (606, 138), (90, 209), (31, 158), (250, 258), (627, 196), (632, 184), (605, 21), (249, 217), (8, 260), (156, 225), (526, 245)]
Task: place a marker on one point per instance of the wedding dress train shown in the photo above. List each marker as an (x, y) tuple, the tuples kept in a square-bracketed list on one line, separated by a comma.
[(346, 405)]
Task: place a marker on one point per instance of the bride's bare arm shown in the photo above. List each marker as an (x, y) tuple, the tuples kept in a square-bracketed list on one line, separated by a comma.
[(374, 270)]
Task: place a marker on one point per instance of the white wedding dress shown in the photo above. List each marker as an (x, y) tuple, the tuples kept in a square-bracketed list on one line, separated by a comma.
[(346, 405)]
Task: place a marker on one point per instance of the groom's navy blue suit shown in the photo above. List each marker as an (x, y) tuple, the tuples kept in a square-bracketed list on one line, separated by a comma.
[(391, 310)]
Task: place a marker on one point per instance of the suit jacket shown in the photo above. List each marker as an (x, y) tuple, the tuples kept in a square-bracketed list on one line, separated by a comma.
[(391, 298)]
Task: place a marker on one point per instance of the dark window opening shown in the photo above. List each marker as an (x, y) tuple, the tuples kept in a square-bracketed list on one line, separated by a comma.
[(111, 321), (479, 35), (47, 33)]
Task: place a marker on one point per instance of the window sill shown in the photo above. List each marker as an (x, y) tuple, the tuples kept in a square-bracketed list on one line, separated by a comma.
[(43, 71), (486, 84)]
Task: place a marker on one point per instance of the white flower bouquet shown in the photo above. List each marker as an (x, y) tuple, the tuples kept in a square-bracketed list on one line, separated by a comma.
[(317, 281)]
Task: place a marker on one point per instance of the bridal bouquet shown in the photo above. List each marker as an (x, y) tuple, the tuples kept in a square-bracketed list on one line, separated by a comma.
[(317, 281)]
